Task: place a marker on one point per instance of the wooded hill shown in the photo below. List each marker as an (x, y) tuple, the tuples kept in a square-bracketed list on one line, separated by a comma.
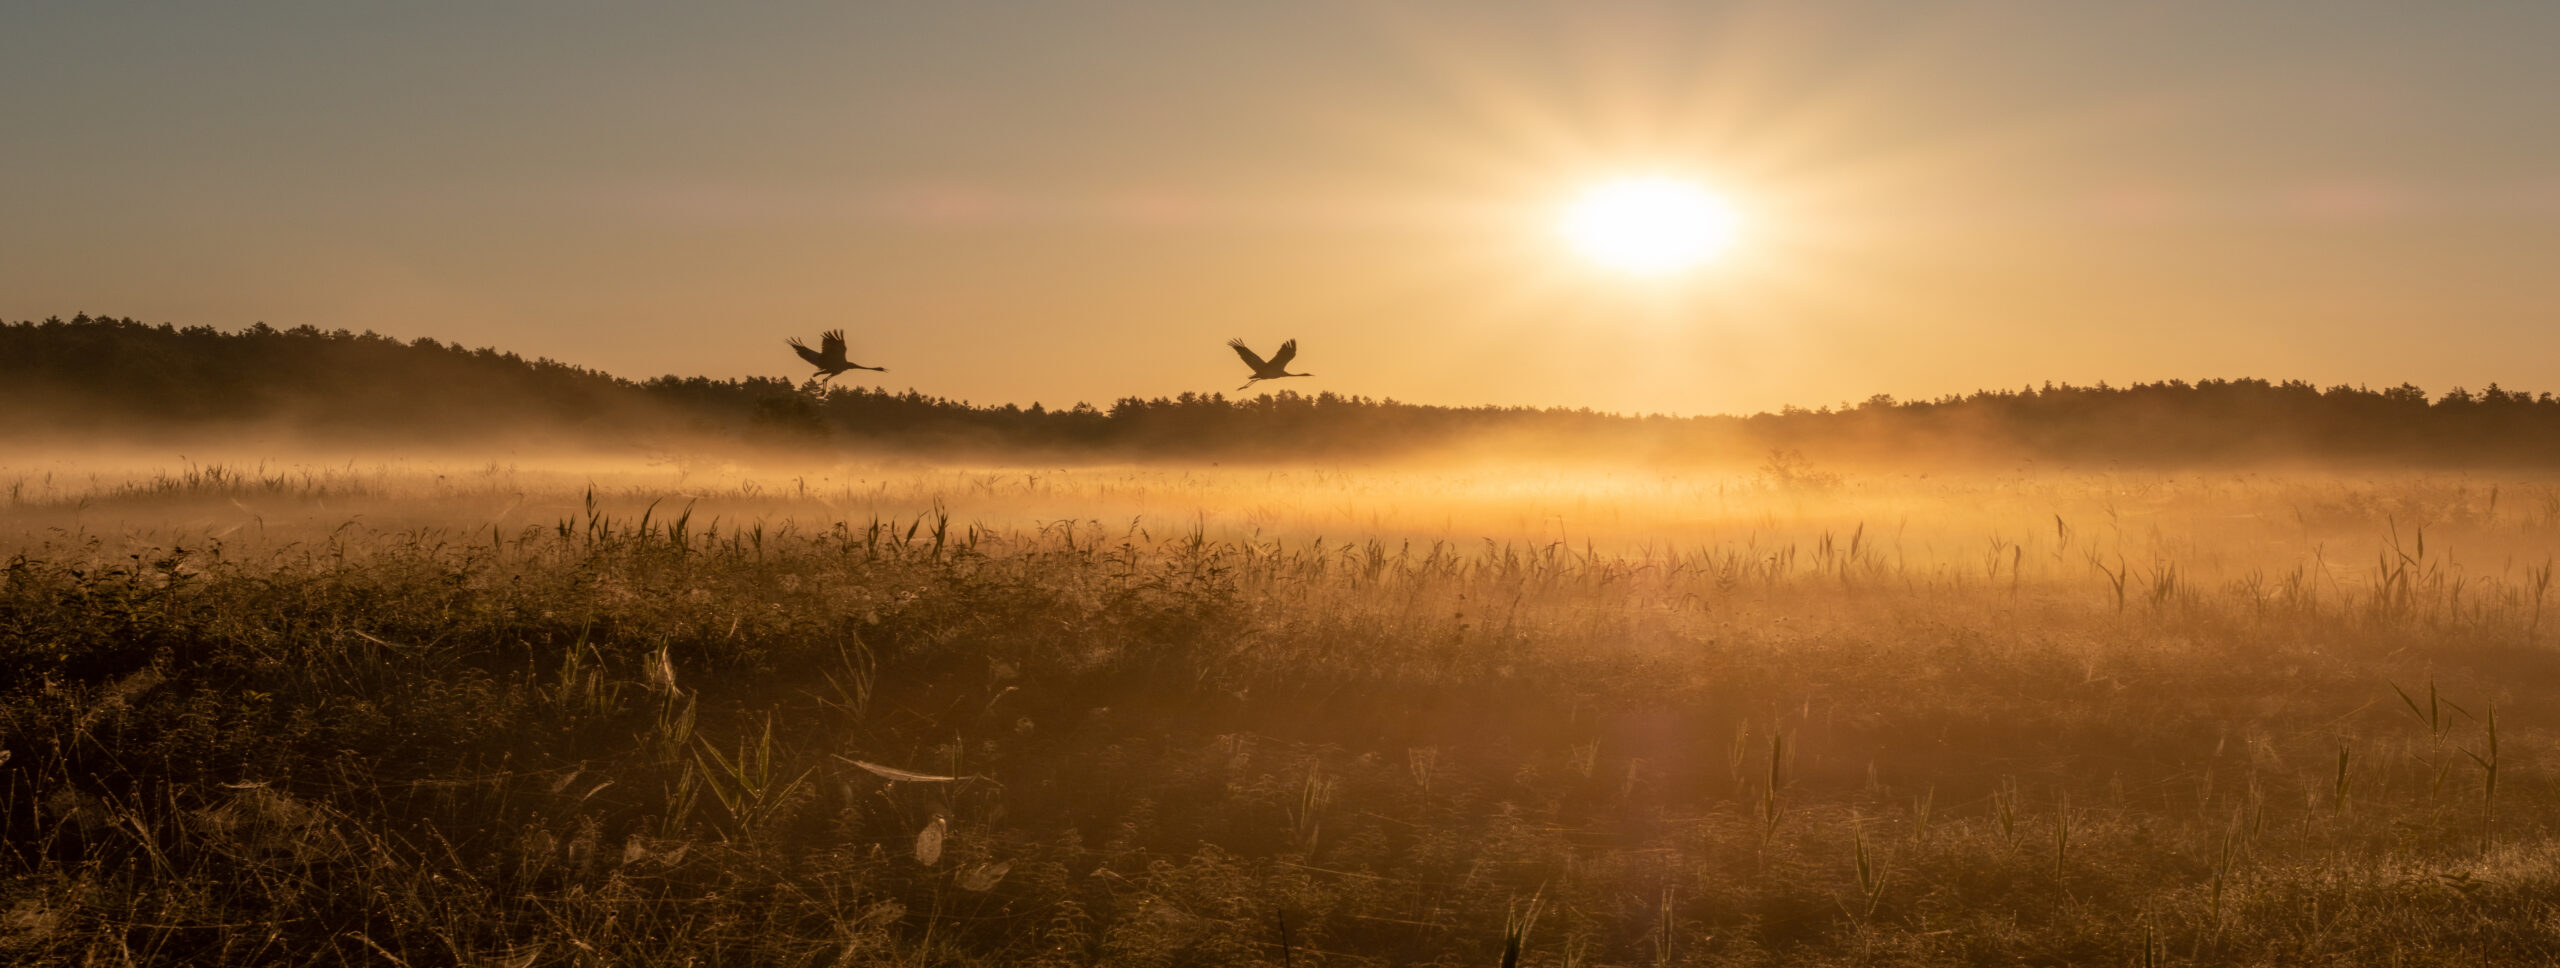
[(96, 378)]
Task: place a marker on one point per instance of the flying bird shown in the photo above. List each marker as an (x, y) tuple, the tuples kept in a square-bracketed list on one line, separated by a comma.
[(1276, 368), (829, 356)]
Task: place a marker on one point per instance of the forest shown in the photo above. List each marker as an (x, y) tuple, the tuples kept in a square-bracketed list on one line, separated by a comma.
[(92, 374)]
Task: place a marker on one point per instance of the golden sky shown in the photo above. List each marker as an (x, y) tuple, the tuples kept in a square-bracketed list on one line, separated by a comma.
[(1083, 201)]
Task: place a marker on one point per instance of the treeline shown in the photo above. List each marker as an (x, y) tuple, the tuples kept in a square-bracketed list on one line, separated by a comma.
[(101, 374), (93, 375)]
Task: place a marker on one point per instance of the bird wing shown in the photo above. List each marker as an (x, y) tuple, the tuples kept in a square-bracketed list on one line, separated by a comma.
[(1288, 351), (806, 353), (833, 345), (1250, 359)]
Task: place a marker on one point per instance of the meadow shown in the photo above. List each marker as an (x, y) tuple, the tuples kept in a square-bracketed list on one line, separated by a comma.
[(691, 712)]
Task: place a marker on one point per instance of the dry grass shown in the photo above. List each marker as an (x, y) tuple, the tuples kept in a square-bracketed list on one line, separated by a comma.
[(687, 714)]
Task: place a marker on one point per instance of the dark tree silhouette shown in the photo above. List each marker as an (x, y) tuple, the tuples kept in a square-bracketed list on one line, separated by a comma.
[(95, 376)]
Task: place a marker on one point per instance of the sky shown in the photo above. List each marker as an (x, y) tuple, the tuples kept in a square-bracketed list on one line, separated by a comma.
[(1054, 202)]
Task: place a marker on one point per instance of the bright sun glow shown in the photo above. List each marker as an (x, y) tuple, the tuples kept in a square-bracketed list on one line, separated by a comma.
[(1650, 225)]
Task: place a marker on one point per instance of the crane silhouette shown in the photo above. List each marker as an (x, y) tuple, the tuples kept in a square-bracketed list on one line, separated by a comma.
[(1277, 367), (829, 356)]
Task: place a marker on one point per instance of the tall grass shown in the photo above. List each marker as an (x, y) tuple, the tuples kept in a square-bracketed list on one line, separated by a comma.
[(707, 726)]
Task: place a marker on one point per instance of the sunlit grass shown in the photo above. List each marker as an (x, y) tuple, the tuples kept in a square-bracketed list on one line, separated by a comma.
[(1149, 716)]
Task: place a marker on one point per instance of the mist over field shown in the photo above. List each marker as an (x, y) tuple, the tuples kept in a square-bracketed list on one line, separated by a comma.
[(1456, 483), (580, 671)]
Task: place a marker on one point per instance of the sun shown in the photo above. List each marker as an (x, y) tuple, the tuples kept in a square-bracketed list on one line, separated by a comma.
[(1651, 225)]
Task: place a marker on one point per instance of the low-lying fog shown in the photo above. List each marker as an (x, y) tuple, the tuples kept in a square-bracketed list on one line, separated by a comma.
[(2002, 524)]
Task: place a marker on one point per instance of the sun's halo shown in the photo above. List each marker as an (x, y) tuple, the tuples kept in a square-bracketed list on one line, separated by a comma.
[(1650, 225)]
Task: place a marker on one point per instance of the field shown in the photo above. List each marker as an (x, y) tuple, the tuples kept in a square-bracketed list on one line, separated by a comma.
[(690, 712)]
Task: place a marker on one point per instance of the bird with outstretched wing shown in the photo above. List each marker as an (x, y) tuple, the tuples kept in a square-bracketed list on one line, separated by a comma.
[(1272, 369), (829, 356)]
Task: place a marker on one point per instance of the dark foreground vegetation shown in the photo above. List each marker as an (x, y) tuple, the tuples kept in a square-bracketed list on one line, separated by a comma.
[(92, 375), (647, 743)]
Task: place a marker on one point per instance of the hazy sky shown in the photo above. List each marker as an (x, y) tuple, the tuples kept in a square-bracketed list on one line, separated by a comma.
[(1081, 201)]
